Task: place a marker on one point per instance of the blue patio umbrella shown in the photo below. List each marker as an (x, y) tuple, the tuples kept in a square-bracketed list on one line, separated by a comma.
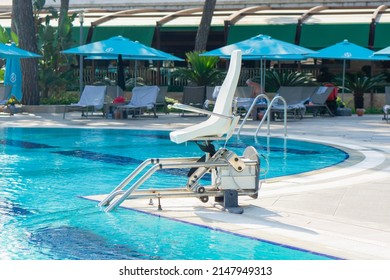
[(385, 51), (113, 47), (13, 73), (262, 47), (118, 45), (285, 57), (13, 77), (383, 54), (10, 50), (344, 51)]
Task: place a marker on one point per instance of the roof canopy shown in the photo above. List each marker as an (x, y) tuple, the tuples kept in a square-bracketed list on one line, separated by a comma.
[(311, 27)]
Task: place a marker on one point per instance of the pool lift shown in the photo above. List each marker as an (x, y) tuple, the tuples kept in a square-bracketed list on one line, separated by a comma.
[(231, 175)]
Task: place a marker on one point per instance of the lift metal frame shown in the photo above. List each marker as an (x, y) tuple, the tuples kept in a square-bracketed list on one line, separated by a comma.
[(229, 172)]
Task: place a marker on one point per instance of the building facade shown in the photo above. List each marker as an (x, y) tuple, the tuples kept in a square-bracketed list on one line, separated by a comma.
[(172, 25)]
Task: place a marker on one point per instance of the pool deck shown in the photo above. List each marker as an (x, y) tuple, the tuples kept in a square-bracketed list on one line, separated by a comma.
[(342, 211)]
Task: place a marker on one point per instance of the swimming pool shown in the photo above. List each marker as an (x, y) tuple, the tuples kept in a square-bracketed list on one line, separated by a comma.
[(45, 172)]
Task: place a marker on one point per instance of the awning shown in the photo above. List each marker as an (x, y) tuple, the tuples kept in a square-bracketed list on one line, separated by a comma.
[(142, 34), (382, 38), (187, 28), (239, 33), (314, 28), (329, 26), (317, 36)]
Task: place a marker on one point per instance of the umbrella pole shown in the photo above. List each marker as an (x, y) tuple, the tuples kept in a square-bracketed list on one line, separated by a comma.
[(117, 73), (261, 73), (81, 74), (135, 73), (342, 92), (264, 72)]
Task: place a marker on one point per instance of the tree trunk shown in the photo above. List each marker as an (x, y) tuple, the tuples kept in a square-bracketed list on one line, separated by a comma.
[(62, 18), (358, 100), (64, 9), (204, 27), (22, 15)]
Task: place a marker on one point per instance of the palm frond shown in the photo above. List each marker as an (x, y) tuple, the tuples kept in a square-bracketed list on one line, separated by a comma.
[(202, 70), (275, 79)]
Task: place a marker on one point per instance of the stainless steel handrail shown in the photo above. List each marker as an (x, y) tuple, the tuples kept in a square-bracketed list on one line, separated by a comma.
[(267, 115), (250, 110)]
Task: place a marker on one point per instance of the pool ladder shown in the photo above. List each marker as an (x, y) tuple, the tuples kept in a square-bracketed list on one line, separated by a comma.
[(266, 114)]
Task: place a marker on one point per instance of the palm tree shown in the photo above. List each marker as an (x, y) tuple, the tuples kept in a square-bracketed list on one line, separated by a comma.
[(359, 83), (275, 79), (202, 70), (23, 21), (204, 26)]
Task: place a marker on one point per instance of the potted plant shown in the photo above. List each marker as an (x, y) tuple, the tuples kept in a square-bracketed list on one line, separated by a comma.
[(358, 84), (11, 102)]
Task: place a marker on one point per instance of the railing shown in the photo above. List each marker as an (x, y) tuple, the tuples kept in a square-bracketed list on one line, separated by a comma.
[(266, 114), (145, 75), (150, 75), (250, 110)]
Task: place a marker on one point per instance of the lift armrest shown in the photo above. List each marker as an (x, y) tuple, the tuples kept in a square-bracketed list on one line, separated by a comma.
[(197, 110)]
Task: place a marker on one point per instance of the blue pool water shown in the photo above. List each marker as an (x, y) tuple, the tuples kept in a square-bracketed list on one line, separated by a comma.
[(44, 173)]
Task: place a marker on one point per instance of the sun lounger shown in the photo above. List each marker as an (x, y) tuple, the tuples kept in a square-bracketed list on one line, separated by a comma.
[(5, 95), (244, 99), (193, 96), (295, 99), (5, 92), (211, 96), (143, 98), (92, 98), (386, 108), (317, 103), (160, 101)]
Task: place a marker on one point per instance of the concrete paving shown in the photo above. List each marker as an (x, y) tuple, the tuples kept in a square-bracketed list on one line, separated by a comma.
[(342, 211)]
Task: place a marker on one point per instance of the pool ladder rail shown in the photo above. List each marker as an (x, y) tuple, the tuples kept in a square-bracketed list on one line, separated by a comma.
[(231, 176), (267, 114)]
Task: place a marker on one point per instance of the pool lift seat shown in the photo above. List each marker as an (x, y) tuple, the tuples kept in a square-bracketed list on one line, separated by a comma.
[(231, 175)]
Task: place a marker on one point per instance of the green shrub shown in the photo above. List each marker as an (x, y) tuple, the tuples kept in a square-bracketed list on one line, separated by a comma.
[(61, 99), (202, 70), (373, 111), (274, 80)]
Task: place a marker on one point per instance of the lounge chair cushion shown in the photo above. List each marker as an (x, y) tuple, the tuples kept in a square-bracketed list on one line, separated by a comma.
[(143, 97), (92, 96)]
